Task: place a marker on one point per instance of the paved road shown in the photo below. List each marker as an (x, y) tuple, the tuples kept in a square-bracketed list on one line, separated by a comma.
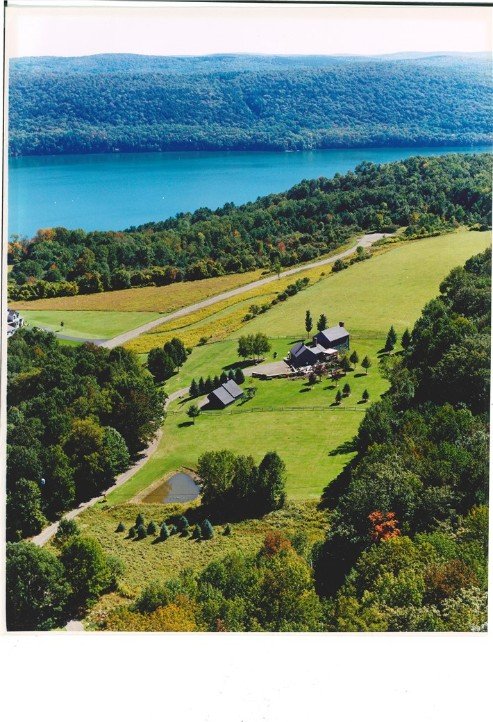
[(50, 531), (364, 241)]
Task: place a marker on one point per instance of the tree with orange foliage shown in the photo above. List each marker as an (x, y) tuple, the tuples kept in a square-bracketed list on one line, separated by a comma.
[(275, 542), (383, 526)]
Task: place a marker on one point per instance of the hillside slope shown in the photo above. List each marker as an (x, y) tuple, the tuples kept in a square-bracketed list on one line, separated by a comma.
[(129, 103)]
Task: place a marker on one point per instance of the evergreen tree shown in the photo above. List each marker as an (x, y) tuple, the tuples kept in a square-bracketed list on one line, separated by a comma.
[(139, 520), (160, 364), (151, 528), (216, 382), (197, 533), (345, 364), (354, 358), (338, 397), (207, 529), (308, 322), (231, 374), (141, 532), (194, 389), (224, 377), (209, 385), (164, 532), (366, 364), (271, 482), (346, 390), (131, 532), (227, 530), (182, 523), (239, 376), (406, 339), (322, 322), (120, 527), (202, 387), (365, 395), (391, 339)]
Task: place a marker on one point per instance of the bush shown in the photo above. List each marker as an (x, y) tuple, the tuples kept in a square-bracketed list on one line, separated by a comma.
[(151, 528), (120, 527), (139, 520), (141, 532), (197, 532), (207, 529), (67, 528), (227, 530), (164, 532), (182, 523), (131, 532)]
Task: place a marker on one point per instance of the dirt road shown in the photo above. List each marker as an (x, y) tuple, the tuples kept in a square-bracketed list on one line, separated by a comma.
[(364, 241)]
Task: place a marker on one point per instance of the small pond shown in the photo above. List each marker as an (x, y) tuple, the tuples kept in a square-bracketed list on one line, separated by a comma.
[(178, 489)]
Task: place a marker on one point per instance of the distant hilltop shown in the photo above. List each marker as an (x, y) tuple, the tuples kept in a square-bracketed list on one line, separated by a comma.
[(129, 103)]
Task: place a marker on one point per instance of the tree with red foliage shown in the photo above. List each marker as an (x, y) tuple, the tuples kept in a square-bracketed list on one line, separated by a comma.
[(274, 543), (383, 526)]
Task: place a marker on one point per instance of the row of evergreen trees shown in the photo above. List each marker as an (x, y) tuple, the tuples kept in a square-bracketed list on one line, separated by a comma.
[(206, 386)]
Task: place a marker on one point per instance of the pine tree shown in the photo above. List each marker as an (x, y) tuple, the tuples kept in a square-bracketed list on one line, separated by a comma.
[(182, 523), (338, 397), (308, 322), (322, 322), (224, 377), (209, 385), (151, 528), (366, 363), (239, 376), (194, 389), (139, 520), (365, 395), (120, 527), (131, 532), (193, 412), (406, 339), (197, 533), (231, 374), (207, 529), (227, 530), (202, 386), (164, 532), (391, 339), (345, 364), (141, 532), (354, 358), (217, 382), (346, 390)]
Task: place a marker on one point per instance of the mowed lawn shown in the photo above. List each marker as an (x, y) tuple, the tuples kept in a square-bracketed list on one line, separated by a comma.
[(390, 288), (87, 324), (291, 417)]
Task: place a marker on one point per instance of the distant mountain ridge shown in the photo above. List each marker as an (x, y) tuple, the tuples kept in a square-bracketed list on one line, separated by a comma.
[(115, 102)]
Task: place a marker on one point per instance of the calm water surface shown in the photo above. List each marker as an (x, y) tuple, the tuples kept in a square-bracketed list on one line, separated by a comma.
[(179, 488), (115, 191)]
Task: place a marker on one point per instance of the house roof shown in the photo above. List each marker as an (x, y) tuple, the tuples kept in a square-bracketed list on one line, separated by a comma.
[(335, 333), (233, 388), (318, 349), (223, 395), (298, 349)]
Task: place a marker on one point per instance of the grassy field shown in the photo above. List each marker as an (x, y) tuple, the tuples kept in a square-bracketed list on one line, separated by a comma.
[(391, 288), (298, 421), (145, 560), (162, 299), (88, 324)]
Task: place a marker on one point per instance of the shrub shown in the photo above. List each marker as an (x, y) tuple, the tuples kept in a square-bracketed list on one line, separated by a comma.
[(131, 532), (164, 532), (197, 532), (207, 529), (227, 530), (120, 527), (182, 523), (67, 528), (151, 528), (141, 532), (139, 520)]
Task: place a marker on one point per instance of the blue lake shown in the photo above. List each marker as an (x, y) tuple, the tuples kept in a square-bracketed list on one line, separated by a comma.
[(115, 191)]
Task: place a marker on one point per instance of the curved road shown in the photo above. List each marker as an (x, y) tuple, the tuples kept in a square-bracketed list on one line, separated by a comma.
[(364, 241)]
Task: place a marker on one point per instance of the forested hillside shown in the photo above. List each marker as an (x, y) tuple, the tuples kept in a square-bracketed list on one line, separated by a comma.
[(126, 103), (426, 195)]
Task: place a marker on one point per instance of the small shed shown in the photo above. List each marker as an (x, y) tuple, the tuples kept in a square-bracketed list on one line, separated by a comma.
[(224, 395)]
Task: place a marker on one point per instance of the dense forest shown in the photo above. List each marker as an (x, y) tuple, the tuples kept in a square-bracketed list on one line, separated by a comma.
[(125, 103), (76, 417), (426, 195)]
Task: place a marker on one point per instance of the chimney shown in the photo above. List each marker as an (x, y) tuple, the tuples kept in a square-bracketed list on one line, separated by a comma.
[(341, 324)]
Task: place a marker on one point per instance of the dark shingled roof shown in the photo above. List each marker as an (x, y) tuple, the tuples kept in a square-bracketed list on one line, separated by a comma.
[(334, 334), (223, 396), (233, 389), (298, 349)]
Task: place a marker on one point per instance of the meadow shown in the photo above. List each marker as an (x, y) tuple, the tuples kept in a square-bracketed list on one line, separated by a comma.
[(88, 324)]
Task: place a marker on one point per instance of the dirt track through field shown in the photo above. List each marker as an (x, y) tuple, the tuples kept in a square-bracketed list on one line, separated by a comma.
[(365, 241)]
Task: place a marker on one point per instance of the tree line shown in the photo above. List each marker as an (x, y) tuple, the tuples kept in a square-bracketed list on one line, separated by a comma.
[(426, 195)]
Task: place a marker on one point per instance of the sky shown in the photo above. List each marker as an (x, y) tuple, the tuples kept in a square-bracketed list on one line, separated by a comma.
[(268, 29)]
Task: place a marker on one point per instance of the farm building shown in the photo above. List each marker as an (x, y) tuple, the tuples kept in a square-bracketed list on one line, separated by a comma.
[(14, 321), (301, 356), (224, 395), (335, 337)]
